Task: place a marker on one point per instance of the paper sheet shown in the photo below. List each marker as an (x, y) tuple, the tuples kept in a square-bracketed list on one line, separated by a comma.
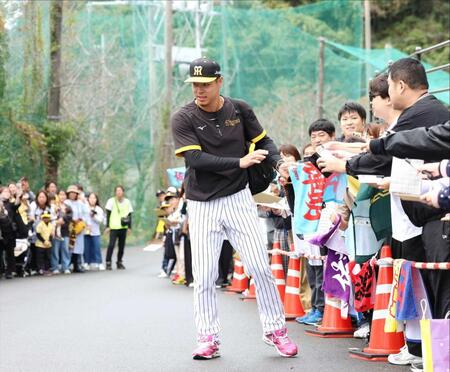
[(405, 180)]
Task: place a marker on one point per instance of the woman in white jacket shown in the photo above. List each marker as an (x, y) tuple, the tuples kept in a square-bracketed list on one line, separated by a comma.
[(92, 246)]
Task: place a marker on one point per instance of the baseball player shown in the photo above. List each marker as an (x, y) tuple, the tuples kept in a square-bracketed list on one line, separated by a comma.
[(212, 133)]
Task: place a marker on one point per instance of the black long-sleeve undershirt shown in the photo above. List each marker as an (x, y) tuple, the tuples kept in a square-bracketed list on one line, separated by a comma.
[(420, 143), (197, 159), (273, 157)]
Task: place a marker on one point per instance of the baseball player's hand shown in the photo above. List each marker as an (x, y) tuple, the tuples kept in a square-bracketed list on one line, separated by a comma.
[(256, 157)]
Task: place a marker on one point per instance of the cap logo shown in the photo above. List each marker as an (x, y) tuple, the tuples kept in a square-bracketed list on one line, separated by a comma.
[(198, 70)]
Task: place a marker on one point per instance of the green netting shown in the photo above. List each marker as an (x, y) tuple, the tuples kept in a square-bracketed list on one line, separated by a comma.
[(378, 59), (113, 77)]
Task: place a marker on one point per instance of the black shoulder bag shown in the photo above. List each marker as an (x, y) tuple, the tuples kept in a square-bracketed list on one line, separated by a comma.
[(124, 221)]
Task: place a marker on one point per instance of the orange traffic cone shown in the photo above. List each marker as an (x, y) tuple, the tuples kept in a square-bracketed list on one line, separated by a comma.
[(251, 293), (292, 304), (381, 343), (277, 270), (333, 325), (240, 280)]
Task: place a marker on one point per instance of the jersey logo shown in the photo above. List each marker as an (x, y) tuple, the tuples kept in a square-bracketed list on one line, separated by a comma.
[(198, 70), (201, 128), (232, 123)]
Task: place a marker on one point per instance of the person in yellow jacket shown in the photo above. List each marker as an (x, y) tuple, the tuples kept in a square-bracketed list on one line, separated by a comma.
[(118, 222), (44, 234)]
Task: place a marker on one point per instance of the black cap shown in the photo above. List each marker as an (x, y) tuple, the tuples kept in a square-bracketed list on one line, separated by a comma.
[(160, 192), (203, 70)]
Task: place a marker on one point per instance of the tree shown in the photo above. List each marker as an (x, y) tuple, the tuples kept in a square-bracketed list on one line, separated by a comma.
[(54, 104), (406, 24), (56, 137), (3, 56)]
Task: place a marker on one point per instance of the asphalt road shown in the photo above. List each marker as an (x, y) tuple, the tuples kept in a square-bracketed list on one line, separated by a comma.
[(132, 321)]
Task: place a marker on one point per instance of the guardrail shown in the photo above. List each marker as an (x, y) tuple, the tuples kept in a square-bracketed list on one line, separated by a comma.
[(420, 51)]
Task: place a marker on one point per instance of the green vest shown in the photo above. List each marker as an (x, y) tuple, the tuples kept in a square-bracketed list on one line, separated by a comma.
[(119, 211)]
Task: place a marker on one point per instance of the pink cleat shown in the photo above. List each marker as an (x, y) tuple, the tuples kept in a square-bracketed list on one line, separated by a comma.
[(208, 348), (283, 344)]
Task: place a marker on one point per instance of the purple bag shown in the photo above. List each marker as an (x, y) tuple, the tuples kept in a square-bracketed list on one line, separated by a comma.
[(435, 344)]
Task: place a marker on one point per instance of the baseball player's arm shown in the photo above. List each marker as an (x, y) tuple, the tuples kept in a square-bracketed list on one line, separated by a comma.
[(212, 163), (257, 135), (197, 159), (273, 157)]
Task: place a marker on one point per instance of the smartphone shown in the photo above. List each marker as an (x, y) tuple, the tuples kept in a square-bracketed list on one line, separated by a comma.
[(313, 159)]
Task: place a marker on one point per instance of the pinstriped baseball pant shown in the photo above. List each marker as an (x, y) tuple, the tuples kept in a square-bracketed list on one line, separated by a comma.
[(234, 216)]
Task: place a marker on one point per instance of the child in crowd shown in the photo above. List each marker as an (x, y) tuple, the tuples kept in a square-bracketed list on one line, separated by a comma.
[(159, 232), (166, 209), (288, 153), (37, 208), (321, 131), (305, 289), (281, 226), (352, 117), (44, 235)]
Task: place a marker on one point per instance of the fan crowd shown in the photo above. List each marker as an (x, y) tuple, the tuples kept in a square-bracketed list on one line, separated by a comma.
[(57, 231)]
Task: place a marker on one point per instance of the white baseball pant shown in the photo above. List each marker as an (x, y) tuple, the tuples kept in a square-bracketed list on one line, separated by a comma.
[(234, 216)]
